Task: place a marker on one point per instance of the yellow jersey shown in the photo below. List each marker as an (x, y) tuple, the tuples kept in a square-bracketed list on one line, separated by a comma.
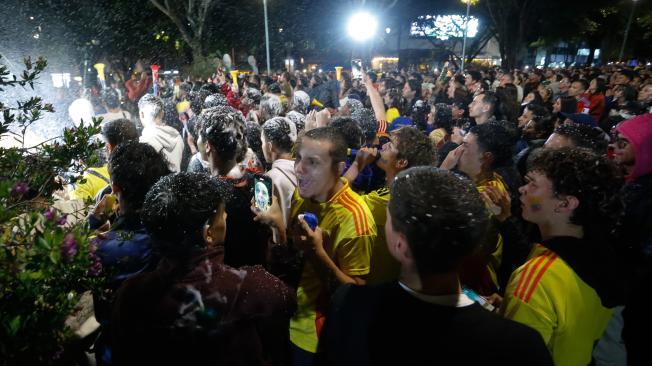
[(96, 179), (547, 295), (352, 231), (384, 267), (496, 257)]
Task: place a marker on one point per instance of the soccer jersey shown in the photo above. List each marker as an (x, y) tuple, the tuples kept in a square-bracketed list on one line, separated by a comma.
[(384, 267), (496, 256), (382, 129), (95, 180), (547, 294), (352, 231)]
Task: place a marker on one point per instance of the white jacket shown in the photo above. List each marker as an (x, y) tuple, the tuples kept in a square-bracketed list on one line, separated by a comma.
[(167, 141)]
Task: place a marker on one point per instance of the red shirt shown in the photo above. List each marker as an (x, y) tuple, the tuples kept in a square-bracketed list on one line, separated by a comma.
[(137, 88), (232, 98), (593, 104)]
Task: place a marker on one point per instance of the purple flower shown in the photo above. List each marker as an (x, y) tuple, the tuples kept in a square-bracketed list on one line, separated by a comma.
[(96, 264), (62, 220), (50, 214), (20, 188), (69, 246)]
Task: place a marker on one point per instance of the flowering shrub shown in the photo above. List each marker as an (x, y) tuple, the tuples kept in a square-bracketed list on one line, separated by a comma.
[(46, 262)]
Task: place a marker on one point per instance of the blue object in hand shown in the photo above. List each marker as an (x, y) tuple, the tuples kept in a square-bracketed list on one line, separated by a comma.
[(310, 219)]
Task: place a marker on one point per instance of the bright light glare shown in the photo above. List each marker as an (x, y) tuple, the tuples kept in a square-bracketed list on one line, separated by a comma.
[(362, 26), (444, 27), (59, 80)]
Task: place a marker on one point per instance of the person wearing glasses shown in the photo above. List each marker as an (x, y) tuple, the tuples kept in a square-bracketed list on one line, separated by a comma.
[(632, 146)]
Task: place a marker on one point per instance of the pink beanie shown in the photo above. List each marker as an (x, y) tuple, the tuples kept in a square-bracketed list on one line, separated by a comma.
[(638, 131)]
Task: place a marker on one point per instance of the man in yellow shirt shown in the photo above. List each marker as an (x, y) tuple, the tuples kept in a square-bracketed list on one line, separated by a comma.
[(408, 147), (346, 224), (96, 179), (571, 280), (484, 148)]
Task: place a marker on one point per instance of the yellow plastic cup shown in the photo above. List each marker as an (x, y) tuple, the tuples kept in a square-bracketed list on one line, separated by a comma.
[(100, 70), (234, 76), (338, 72)]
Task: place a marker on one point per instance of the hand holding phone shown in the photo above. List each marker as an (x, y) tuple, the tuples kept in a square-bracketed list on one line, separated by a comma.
[(263, 192), (356, 69), (271, 216)]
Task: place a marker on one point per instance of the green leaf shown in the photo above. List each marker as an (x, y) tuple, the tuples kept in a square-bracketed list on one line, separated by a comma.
[(54, 257), (14, 325), (44, 243)]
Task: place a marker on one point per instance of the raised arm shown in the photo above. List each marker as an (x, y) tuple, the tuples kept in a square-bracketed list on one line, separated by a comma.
[(375, 98)]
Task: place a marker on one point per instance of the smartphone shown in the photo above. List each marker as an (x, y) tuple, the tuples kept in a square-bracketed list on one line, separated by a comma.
[(474, 296), (356, 69), (263, 192)]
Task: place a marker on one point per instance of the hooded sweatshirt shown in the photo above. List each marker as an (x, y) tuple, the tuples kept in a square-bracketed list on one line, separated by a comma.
[(167, 141), (638, 131)]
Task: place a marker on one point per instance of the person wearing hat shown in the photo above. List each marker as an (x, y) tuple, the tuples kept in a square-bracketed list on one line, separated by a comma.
[(632, 145), (579, 118)]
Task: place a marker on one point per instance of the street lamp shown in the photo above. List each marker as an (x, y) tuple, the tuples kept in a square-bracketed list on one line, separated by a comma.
[(466, 27), (269, 72), (362, 26), (629, 24)]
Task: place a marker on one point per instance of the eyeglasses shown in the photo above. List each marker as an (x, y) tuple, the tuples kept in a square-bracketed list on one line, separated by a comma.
[(620, 142)]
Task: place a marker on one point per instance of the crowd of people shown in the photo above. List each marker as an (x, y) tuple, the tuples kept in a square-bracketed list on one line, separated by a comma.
[(494, 216)]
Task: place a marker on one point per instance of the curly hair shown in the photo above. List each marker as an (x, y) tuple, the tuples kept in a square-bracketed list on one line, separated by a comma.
[(225, 129), (585, 136), (176, 210), (591, 178), (215, 100), (440, 213), (415, 147), (134, 167), (299, 120)]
